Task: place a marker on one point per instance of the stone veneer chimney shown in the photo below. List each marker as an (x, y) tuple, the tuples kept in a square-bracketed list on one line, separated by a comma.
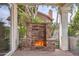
[(50, 13)]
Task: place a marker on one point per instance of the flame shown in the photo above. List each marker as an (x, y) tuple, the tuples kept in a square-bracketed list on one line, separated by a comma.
[(39, 43)]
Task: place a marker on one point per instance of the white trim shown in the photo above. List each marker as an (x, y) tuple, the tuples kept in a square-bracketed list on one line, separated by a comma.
[(13, 31), (64, 30), (9, 53)]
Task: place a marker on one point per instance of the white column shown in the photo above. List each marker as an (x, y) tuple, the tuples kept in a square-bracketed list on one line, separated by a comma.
[(14, 28), (64, 29)]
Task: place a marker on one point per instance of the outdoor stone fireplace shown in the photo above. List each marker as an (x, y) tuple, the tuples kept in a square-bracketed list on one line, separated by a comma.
[(39, 36)]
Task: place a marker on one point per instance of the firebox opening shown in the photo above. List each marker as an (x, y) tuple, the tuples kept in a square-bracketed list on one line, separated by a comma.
[(39, 43)]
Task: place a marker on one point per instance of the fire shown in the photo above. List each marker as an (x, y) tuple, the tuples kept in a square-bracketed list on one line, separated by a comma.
[(39, 43)]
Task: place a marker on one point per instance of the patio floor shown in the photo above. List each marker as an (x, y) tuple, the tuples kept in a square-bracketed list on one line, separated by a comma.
[(26, 52)]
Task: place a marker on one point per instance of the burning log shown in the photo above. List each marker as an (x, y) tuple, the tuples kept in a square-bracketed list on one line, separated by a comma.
[(39, 43)]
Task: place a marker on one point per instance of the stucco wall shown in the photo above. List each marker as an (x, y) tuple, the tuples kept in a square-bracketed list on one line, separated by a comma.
[(74, 43), (45, 18)]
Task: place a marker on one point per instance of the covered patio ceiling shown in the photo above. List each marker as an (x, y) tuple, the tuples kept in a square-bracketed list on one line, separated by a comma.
[(65, 8)]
